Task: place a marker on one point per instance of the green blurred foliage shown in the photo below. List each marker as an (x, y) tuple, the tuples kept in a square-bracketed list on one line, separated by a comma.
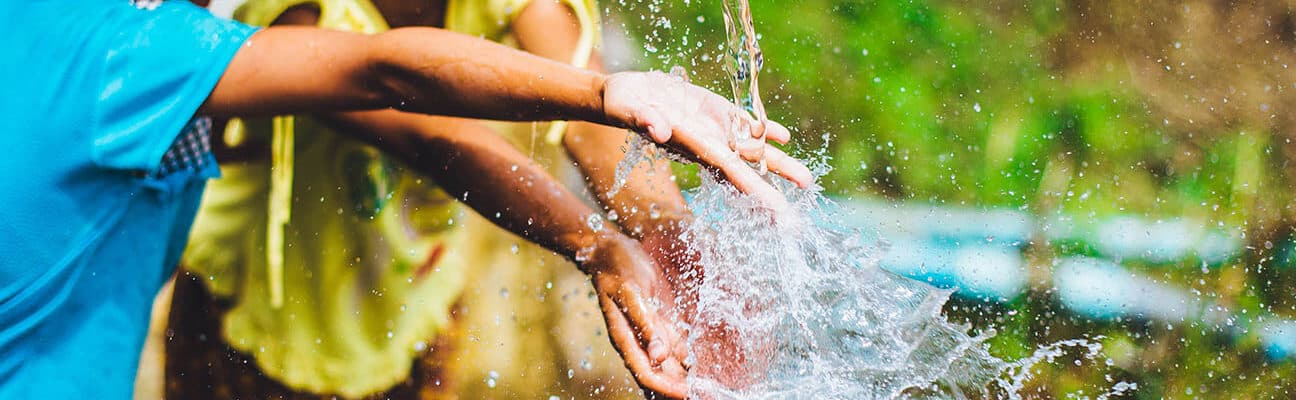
[(1044, 106)]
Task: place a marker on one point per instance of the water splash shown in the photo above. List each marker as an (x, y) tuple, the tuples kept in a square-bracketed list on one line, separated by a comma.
[(792, 309), (638, 149), (805, 309)]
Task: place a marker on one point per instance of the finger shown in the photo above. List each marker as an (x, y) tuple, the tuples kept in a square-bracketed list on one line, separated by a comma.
[(682, 353), (651, 335), (656, 124), (623, 338), (751, 150), (756, 128), (658, 351), (673, 369), (721, 115), (777, 132), (748, 181), (784, 165)]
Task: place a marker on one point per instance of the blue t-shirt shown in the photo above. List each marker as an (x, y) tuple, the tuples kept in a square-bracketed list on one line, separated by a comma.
[(92, 221)]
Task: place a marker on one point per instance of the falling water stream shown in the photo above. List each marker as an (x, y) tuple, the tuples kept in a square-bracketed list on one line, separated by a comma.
[(744, 62), (798, 308)]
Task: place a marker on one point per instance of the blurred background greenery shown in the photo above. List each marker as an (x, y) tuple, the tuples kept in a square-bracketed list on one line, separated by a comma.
[(1086, 109)]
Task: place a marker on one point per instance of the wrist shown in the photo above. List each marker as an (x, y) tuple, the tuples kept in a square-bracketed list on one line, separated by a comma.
[(599, 88), (615, 115), (594, 107), (596, 249)]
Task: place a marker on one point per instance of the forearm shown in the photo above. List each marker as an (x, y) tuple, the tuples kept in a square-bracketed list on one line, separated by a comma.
[(482, 80), (296, 69), (649, 199), (478, 167), (524, 200)]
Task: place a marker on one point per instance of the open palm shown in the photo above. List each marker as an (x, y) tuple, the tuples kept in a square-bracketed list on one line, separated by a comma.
[(701, 125)]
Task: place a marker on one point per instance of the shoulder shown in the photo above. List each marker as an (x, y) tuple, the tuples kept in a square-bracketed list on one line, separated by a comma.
[(159, 62)]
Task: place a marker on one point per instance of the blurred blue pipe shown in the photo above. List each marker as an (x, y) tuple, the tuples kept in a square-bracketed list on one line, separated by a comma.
[(979, 253), (1129, 238)]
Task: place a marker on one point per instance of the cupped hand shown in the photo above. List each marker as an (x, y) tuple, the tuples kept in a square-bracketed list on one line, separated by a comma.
[(638, 306), (702, 126), (719, 351)]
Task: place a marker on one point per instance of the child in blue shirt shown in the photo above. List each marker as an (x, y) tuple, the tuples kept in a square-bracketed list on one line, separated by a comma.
[(108, 155)]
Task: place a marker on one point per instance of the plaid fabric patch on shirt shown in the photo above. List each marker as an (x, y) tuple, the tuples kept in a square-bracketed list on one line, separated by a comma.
[(191, 150), (146, 4)]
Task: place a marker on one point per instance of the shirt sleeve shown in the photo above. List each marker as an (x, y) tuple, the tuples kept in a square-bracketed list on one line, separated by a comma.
[(159, 66)]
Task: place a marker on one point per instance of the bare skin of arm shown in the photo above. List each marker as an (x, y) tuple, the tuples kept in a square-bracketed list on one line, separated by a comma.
[(516, 194), (289, 69)]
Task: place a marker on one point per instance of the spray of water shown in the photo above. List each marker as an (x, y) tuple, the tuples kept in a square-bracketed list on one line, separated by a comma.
[(797, 307)]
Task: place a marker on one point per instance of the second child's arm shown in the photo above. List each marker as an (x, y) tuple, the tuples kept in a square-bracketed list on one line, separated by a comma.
[(470, 161)]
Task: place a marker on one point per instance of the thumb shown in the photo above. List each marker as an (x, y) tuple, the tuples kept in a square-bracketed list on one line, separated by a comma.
[(656, 125)]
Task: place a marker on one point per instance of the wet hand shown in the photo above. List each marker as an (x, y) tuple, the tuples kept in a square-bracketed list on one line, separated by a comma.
[(705, 127), (638, 306), (718, 348)]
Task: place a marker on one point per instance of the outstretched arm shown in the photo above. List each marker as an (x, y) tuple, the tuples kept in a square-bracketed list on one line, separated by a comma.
[(296, 69), (469, 160), (288, 69)]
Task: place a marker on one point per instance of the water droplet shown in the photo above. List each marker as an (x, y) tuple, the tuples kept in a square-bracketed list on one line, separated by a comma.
[(595, 222)]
